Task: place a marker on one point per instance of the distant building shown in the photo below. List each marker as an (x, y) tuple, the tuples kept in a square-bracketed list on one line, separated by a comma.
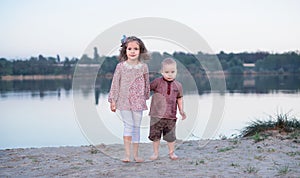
[(249, 65), (249, 68)]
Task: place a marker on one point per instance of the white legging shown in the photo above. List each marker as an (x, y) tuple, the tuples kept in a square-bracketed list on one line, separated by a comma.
[(132, 122)]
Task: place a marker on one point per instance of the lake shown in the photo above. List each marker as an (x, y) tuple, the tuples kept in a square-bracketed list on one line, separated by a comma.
[(39, 113)]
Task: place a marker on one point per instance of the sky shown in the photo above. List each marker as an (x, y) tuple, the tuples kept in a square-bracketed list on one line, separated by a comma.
[(67, 27)]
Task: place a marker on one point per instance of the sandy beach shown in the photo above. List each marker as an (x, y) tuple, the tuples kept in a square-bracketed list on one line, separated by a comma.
[(241, 157)]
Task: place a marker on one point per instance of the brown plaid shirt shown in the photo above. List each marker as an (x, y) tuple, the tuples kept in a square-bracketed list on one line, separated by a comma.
[(164, 99)]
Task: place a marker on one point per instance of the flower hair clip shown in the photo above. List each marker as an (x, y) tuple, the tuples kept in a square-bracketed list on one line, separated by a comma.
[(123, 40)]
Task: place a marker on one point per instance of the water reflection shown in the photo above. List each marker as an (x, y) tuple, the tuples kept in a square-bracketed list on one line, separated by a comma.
[(45, 108), (36, 88), (263, 84), (234, 84)]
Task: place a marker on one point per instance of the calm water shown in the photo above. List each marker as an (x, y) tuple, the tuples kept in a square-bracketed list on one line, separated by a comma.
[(45, 113)]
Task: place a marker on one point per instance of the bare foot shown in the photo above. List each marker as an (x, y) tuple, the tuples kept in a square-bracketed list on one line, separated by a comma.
[(126, 160), (138, 160), (173, 156), (153, 157)]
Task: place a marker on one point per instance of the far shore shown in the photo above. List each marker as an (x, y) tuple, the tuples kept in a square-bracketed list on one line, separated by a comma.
[(34, 77), (109, 75)]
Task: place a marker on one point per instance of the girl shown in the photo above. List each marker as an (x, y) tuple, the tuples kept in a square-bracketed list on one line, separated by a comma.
[(129, 91)]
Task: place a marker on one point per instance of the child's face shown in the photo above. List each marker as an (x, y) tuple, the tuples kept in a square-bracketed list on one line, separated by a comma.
[(169, 72), (133, 50)]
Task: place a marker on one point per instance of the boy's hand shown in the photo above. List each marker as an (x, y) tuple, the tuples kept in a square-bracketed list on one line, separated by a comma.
[(113, 106), (183, 115)]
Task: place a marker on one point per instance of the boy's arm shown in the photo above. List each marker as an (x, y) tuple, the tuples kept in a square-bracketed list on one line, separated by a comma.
[(180, 107), (153, 84)]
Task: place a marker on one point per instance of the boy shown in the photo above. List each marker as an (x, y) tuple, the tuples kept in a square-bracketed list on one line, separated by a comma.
[(168, 94)]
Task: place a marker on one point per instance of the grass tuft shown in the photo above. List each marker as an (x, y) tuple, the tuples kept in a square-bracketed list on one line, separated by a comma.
[(283, 170), (251, 169), (283, 123)]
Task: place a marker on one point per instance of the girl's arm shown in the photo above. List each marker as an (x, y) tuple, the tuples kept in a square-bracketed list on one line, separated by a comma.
[(114, 89), (147, 82)]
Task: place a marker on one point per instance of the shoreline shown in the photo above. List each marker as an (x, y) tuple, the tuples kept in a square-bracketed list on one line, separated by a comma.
[(272, 157), (34, 77), (109, 75)]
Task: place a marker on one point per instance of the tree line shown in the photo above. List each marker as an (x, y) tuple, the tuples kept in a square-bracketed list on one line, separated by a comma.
[(233, 63), (37, 66)]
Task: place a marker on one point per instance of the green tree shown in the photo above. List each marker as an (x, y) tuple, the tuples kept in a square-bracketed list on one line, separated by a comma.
[(96, 55), (67, 66), (85, 59), (58, 58), (5, 67)]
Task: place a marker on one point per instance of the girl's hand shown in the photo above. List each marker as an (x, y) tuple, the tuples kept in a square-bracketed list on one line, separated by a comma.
[(113, 106), (183, 115)]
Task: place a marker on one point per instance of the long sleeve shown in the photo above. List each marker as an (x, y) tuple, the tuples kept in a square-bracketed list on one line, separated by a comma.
[(115, 85), (147, 83)]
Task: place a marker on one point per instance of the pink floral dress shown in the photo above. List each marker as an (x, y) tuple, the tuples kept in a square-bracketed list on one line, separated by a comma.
[(130, 87)]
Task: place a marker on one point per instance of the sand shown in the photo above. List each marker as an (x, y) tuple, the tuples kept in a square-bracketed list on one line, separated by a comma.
[(272, 157)]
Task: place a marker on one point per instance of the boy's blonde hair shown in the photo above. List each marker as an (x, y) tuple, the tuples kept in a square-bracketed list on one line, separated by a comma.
[(167, 61)]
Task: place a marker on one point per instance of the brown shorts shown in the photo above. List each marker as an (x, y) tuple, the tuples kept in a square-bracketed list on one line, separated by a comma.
[(163, 126)]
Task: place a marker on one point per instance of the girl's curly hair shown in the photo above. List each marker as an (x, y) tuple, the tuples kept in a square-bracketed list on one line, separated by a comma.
[(143, 50)]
